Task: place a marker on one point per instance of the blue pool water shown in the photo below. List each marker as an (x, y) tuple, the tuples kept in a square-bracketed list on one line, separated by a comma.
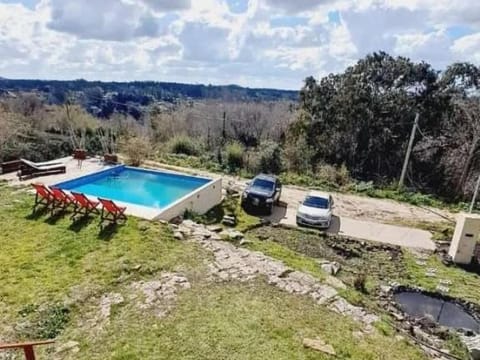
[(137, 186)]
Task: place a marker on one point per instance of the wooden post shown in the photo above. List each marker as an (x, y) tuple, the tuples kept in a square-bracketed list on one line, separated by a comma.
[(29, 354), (27, 347)]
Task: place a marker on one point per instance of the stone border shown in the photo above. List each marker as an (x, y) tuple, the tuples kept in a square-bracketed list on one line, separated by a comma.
[(241, 264)]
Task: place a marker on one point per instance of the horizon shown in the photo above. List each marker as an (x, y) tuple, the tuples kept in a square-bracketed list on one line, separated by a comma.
[(262, 44), (144, 81)]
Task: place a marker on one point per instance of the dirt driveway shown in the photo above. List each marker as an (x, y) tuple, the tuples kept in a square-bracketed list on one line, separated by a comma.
[(371, 209), (354, 216), (346, 205)]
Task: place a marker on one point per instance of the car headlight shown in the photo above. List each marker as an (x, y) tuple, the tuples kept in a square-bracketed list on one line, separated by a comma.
[(269, 201), (245, 194), (299, 214)]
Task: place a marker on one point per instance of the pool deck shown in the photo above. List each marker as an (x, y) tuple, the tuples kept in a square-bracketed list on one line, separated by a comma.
[(88, 166), (74, 170)]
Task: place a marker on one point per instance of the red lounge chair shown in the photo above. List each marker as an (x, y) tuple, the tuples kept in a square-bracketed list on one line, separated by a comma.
[(111, 212), (43, 196), (83, 205), (61, 200)]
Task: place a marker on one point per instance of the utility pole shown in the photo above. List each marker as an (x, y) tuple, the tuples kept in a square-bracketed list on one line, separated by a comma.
[(409, 150), (474, 199), (224, 131)]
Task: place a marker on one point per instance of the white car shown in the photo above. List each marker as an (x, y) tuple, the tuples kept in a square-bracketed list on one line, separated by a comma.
[(315, 210)]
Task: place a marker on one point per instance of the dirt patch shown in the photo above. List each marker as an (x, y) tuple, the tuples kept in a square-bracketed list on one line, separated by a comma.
[(381, 261)]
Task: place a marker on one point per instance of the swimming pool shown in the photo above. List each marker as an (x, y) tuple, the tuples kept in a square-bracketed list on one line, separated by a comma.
[(147, 188)]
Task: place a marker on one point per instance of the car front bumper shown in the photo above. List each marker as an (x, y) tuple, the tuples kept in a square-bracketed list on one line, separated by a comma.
[(318, 223), (257, 202)]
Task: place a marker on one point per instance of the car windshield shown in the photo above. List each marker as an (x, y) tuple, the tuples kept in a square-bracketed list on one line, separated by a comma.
[(316, 202), (263, 184)]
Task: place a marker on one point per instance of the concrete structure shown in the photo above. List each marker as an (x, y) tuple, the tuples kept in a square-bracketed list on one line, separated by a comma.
[(74, 169), (465, 238), (199, 201)]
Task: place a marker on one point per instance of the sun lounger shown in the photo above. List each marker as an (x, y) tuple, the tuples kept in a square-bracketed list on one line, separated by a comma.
[(29, 168), (61, 200), (111, 212), (43, 196), (83, 205), (10, 166), (44, 163)]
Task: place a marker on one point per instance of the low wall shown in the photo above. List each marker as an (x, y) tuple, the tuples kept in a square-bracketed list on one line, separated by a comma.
[(199, 201)]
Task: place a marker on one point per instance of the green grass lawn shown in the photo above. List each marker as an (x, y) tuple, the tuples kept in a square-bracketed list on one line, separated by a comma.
[(464, 284), (52, 276)]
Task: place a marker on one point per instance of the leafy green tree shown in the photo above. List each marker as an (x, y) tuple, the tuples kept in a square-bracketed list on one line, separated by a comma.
[(363, 117)]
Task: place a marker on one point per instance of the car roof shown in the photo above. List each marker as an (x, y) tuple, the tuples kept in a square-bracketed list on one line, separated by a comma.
[(320, 194), (266, 177)]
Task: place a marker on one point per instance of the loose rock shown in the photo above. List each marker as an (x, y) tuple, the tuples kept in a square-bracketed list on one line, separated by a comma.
[(214, 228), (473, 345), (244, 242), (178, 235), (71, 346), (160, 294), (319, 345), (331, 268), (106, 303), (229, 220)]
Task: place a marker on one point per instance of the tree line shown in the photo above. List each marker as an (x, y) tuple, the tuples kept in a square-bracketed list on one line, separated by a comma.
[(363, 118)]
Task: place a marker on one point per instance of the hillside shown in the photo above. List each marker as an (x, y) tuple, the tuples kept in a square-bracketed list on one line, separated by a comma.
[(146, 91)]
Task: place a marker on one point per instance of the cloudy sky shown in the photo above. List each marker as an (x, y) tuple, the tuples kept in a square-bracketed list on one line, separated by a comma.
[(256, 43)]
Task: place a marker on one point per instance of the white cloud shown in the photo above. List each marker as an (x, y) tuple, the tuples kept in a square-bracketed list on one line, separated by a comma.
[(104, 20), (467, 47), (296, 6), (204, 41), (168, 5)]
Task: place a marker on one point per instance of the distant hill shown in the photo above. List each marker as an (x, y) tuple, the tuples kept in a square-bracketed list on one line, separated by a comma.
[(146, 91)]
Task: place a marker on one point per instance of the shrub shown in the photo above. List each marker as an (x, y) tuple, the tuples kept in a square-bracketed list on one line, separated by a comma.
[(327, 173), (136, 149), (183, 145), (298, 155), (270, 158), (360, 282), (343, 176), (234, 156), (43, 323), (251, 161), (334, 177)]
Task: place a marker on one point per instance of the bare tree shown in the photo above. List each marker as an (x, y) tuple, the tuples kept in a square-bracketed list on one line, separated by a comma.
[(12, 125)]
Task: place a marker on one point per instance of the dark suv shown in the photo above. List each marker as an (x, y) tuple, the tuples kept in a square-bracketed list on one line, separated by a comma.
[(262, 193)]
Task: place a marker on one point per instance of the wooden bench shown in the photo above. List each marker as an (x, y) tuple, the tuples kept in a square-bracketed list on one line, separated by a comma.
[(27, 347)]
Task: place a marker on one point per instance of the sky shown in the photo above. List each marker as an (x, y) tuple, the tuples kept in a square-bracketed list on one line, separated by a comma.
[(255, 43)]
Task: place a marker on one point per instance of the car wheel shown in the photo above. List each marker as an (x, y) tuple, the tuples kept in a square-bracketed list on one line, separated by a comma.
[(270, 210)]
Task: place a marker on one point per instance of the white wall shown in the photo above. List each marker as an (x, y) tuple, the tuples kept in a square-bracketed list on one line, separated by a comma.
[(199, 201)]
